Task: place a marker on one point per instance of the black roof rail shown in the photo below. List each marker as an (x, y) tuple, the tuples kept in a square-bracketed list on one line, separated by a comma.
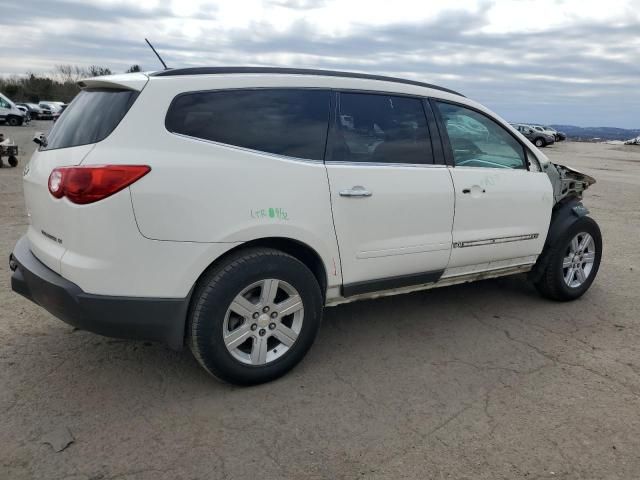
[(292, 71)]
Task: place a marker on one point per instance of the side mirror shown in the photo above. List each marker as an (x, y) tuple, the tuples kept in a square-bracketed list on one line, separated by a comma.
[(40, 139)]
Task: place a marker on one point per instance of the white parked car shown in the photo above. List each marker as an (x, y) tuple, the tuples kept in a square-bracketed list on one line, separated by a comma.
[(223, 208)]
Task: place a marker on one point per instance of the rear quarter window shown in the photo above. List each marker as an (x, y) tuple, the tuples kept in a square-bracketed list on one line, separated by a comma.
[(290, 122), (90, 117)]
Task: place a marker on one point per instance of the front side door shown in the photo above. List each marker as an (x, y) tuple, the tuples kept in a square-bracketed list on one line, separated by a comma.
[(503, 208), (392, 206)]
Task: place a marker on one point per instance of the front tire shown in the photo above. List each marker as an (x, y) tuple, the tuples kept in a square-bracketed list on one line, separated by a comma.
[(539, 142), (255, 316), (14, 121), (573, 262)]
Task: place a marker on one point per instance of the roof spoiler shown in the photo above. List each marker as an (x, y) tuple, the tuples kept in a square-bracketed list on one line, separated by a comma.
[(128, 81)]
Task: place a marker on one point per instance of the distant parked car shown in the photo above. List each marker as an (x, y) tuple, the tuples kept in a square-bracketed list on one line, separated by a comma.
[(35, 112), (51, 108), (9, 113), (47, 112), (59, 105), (27, 115), (560, 136), (548, 130), (537, 137)]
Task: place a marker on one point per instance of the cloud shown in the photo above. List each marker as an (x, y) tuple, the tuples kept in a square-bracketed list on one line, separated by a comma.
[(580, 67), (53, 11), (299, 4)]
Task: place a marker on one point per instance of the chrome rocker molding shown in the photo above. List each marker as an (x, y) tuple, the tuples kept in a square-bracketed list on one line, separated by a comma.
[(492, 241), (442, 282)]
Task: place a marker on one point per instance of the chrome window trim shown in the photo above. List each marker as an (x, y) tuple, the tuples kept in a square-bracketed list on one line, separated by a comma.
[(385, 164)]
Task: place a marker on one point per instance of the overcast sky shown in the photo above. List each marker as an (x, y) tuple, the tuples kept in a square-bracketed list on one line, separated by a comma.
[(546, 61)]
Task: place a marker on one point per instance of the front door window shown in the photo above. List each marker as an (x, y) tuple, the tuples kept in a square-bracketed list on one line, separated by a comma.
[(478, 141)]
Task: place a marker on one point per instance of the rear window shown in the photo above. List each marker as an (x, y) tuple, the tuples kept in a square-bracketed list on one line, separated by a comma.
[(90, 117), (291, 122)]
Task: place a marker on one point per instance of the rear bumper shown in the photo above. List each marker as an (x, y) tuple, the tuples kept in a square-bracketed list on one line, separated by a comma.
[(155, 319)]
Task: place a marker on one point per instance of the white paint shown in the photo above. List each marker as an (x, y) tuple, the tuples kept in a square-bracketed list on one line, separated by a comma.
[(403, 228), (508, 203)]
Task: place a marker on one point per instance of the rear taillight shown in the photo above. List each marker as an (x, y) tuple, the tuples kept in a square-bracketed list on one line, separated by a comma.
[(90, 183)]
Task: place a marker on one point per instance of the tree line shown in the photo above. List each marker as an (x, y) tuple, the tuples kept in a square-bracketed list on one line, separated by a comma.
[(58, 85)]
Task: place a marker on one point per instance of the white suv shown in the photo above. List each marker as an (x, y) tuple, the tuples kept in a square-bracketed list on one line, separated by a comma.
[(223, 208)]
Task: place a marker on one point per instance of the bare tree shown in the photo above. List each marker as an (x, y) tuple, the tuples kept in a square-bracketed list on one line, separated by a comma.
[(97, 71), (69, 73)]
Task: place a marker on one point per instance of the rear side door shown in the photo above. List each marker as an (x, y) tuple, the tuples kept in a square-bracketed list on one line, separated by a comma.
[(503, 204), (392, 204)]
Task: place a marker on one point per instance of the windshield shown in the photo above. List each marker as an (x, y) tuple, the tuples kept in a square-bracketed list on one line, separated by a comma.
[(6, 103), (90, 117)]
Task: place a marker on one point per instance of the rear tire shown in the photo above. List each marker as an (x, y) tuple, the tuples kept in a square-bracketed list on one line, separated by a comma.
[(571, 267), (255, 316), (13, 161)]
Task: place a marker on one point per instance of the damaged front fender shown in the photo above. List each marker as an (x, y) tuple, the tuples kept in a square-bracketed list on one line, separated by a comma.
[(567, 182)]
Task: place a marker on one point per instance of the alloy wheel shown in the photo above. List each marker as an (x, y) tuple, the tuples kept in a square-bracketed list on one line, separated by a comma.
[(578, 262), (263, 322)]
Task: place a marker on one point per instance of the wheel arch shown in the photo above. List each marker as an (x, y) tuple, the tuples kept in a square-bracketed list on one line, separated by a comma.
[(565, 213), (297, 249)]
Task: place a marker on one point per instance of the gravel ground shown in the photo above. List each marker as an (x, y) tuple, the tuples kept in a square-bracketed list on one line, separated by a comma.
[(479, 381)]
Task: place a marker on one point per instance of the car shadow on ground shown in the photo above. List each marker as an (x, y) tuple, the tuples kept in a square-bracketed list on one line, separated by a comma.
[(364, 331)]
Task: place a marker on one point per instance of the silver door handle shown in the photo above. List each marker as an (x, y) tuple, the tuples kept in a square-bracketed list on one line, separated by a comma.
[(356, 191)]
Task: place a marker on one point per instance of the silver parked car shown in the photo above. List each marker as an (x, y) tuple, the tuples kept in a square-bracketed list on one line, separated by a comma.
[(537, 137)]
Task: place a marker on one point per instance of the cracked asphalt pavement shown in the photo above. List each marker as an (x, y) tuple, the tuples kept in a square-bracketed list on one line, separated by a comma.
[(477, 381)]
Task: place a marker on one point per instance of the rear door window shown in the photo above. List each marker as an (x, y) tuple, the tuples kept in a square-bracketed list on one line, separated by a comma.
[(379, 128), (90, 117), (290, 122)]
